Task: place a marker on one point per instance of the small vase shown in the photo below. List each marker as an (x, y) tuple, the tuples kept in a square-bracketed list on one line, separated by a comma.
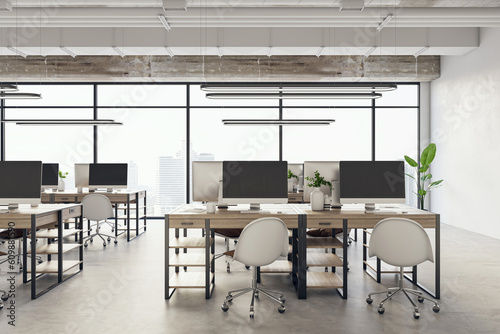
[(317, 200), (61, 185), (290, 185)]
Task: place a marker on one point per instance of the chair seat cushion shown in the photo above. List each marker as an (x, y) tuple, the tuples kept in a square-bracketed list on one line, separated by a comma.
[(18, 233), (2, 253), (229, 232), (229, 253)]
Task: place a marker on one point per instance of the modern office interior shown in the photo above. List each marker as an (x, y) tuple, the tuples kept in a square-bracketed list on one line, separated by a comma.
[(139, 139)]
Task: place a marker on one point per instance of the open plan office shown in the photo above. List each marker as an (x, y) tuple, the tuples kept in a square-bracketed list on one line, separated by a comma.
[(173, 166)]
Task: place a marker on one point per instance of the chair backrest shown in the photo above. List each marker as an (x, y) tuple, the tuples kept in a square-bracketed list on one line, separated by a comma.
[(97, 207), (262, 241), (400, 242)]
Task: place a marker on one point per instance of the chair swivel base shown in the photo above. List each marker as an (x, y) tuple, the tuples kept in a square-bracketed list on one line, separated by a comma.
[(391, 292), (100, 235), (255, 290)]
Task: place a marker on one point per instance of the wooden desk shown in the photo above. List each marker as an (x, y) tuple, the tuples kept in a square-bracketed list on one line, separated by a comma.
[(45, 216), (354, 216), (298, 217), (125, 198), (190, 216), (296, 197)]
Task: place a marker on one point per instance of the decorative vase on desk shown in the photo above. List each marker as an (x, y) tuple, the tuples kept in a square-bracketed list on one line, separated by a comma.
[(61, 185), (290, 185), (317, 200)]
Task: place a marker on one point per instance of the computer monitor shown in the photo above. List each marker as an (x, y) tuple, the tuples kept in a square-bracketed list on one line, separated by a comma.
[(330, 170), (20, 183), (254, 182), (81, 176), (50, 176), (372, 182), (110, 176), (206, 177)]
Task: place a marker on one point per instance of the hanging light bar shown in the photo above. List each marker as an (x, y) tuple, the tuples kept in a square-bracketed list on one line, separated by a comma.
[(298, 88), (8, 88), (277, 121), (47, 122), (5, 96), (163, 21), (293, 95)]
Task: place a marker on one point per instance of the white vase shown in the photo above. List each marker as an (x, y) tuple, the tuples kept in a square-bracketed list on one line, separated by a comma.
[(290, 185), (61, 185), (317, 200)]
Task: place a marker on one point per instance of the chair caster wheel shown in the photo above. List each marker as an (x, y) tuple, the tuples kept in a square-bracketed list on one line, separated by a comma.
[(281, 309), (282, 299), (416, 315), (381, 310), (1, 306), (5, 297), (224, 307), (116, 241), (435, 308), (369, 300), (104, 244), (85, 245), (251, 314), (109, 239), (91, 239), (248, 267), (256, 295), (420, 299)]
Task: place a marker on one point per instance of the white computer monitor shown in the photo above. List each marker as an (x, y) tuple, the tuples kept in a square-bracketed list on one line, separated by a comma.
[(371, 182), (81, 176), (50, 176), (108, 176), (206, 177), (20, 183), (254, 182), (330, 171)]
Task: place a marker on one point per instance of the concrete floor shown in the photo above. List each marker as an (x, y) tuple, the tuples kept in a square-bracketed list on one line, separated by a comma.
[(121, 290)]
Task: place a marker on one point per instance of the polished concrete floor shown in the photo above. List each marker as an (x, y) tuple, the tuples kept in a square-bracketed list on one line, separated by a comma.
[(121, 291)]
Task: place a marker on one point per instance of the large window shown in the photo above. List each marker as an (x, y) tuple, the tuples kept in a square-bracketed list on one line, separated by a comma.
[(156, 134)]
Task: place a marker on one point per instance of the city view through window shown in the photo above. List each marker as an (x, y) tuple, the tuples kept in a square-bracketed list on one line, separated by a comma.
[(157, 157)]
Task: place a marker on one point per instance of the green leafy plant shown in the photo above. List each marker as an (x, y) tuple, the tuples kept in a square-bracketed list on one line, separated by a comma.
[(422, 177), (292, 175), (318, 181), (63, 175)]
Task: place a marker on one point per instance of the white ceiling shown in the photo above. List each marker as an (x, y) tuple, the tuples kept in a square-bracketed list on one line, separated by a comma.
[(250, 27)]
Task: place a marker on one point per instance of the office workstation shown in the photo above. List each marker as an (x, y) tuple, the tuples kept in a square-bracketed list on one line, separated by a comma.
[(272, 166)]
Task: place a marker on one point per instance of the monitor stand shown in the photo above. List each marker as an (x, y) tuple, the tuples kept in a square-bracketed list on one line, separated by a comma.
[(370, 208), (255, 206), (79, 190), (13, 206), (109, 190)]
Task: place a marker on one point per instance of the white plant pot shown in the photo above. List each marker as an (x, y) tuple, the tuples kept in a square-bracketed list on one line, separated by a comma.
[(317, 200), (290, 185), (61, 185)]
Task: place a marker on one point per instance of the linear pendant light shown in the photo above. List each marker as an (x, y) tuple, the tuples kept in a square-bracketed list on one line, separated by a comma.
[(297, 88), (277, 121), (8, 88), (293, 95), (46, 122), (5, 96)]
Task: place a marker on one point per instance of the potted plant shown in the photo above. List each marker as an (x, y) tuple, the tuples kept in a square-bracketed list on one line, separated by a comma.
[(61, 185), (291, 176), (317, 197), (422, 176)]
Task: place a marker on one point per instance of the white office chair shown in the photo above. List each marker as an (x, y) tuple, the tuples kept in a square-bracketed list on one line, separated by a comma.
[(403, 243), (97, 207), (260, 243)]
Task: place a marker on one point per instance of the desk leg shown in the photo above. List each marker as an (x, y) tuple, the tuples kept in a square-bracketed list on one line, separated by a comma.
[(60, 246), (25, 256), (33, 256), (343, 291), (302, 258), (168, 291), (295, 252), (145, 210), (128, 217), (80, 226), (116, 220), (208, 251), (137, 214)]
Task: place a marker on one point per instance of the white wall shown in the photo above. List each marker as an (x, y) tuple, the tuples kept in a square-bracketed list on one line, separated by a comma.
[(465, 125)]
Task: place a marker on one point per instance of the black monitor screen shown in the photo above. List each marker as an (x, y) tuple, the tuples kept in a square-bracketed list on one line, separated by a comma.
[(372, 179), (108, 174), (20, 179), (255, 179), (50, 174)]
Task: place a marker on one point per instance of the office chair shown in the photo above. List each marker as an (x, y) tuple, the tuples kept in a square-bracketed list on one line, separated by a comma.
[(261, 242), (97, 207), (228, 234), (402, 243), (17, 235)]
